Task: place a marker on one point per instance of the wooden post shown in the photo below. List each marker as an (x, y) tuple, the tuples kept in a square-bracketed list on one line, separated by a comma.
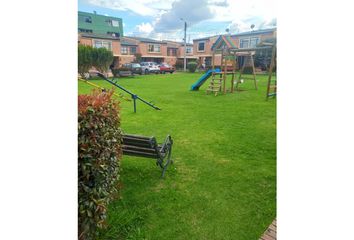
[(225, 75), (213, 60), (233, 73), (271, 70), (254, 72)]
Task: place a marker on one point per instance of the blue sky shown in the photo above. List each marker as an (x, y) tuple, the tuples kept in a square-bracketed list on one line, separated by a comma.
[(160, 19)]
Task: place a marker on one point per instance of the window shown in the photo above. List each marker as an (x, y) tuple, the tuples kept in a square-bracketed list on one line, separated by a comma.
[(201, 46), (254, 42), (100, 44), (124, 50), (113, 23), (85, 30), (154, 48), (83, 18), (172, 52), (132, 50), (189, 50), (244, 43)]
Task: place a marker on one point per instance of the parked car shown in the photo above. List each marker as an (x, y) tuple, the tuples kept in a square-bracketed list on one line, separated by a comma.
[(164, 67), (149, 67), (135, 68)]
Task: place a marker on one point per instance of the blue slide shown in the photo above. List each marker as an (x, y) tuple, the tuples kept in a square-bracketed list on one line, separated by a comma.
[(202, 79)]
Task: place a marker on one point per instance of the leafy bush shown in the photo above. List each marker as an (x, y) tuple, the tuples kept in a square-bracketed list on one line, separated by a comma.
[(192, 66), (137, 57), (99, 153), (102, 59), (84, 59)]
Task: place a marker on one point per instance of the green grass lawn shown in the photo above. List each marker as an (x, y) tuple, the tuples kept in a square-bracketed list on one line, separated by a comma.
[(222, 184)]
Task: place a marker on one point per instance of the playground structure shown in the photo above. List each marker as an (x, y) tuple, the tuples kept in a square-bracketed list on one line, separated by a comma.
[(230, 56), (114, 83)]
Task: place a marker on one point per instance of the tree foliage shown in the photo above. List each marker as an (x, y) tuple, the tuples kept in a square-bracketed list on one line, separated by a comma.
[(84, 59), (102, 59), (88, 57)]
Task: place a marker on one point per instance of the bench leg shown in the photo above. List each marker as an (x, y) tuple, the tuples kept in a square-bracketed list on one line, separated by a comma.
[(169, 160)]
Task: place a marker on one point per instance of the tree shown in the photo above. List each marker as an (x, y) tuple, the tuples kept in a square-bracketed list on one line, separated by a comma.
[(84, 59), (137, 57), (102, 59)]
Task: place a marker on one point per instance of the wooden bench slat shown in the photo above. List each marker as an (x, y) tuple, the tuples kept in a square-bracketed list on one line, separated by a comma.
[(137, 153), (138, 148)]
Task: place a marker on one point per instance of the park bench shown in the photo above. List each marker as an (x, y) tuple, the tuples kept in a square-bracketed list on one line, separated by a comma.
[(148, 147)]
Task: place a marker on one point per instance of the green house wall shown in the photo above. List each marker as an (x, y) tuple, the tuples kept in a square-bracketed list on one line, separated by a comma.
[(99, 23)]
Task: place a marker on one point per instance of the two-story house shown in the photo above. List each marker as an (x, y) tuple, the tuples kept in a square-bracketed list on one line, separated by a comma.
[(98, 40), (202, 46), (175, 51)]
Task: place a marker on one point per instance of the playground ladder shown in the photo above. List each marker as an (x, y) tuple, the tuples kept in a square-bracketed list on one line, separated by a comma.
[(215, 83)]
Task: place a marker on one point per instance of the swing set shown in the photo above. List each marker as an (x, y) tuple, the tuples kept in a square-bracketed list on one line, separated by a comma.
[(231, 56)]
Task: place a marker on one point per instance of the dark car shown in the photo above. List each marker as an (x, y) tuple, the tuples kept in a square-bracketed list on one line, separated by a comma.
[(164, 67), (135, 68)]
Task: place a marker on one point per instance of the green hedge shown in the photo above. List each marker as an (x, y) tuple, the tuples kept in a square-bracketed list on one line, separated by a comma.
[(192, 66), (99, 153), (88, 57)]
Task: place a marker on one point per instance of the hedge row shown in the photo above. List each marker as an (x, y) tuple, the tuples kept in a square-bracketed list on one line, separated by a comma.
[(99, 153)]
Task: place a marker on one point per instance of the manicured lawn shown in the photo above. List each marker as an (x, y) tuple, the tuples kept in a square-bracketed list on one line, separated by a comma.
[(222, 184)]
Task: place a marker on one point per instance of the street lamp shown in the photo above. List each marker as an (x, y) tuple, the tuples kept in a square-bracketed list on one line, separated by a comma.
[(185, 44)]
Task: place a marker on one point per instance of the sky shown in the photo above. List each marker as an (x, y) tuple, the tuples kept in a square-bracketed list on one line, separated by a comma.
[(161, 19)]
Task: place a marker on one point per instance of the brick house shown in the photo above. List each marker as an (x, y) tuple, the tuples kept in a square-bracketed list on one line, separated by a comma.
[(100, 40), (202, 46)]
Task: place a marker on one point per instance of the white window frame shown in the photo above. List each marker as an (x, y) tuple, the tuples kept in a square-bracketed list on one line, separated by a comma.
[(115, 23), (257, 41), (125, 52), (198, 50), (245, 39), (103, 43), (154, 46), (190, 49)]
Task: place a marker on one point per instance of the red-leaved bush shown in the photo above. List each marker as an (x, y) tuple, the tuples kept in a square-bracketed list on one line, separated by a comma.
[(99, 142)]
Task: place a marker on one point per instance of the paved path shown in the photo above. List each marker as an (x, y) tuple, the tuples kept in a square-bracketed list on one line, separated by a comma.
[(271, 232)]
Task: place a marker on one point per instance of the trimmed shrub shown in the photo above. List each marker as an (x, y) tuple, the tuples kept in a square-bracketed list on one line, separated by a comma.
[(84, 59), (102, 59), (192, 66), (99, 153)]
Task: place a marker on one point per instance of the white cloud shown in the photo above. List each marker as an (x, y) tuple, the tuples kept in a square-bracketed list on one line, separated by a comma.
[(237, 15), (140, 7), (144, 28), (191, 11)]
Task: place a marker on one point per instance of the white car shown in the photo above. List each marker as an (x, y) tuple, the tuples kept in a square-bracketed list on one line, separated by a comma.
[(150, 67)]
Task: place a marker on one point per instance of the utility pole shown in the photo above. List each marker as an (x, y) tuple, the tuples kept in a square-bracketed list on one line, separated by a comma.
[(185, 45)]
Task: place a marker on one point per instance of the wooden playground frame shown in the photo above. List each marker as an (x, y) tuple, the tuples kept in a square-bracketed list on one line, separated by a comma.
[(218, 80)]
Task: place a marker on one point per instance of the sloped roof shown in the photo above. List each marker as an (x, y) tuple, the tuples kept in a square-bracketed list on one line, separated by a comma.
[(128, 41), (141, 39), (224, 39), (100, 36)]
